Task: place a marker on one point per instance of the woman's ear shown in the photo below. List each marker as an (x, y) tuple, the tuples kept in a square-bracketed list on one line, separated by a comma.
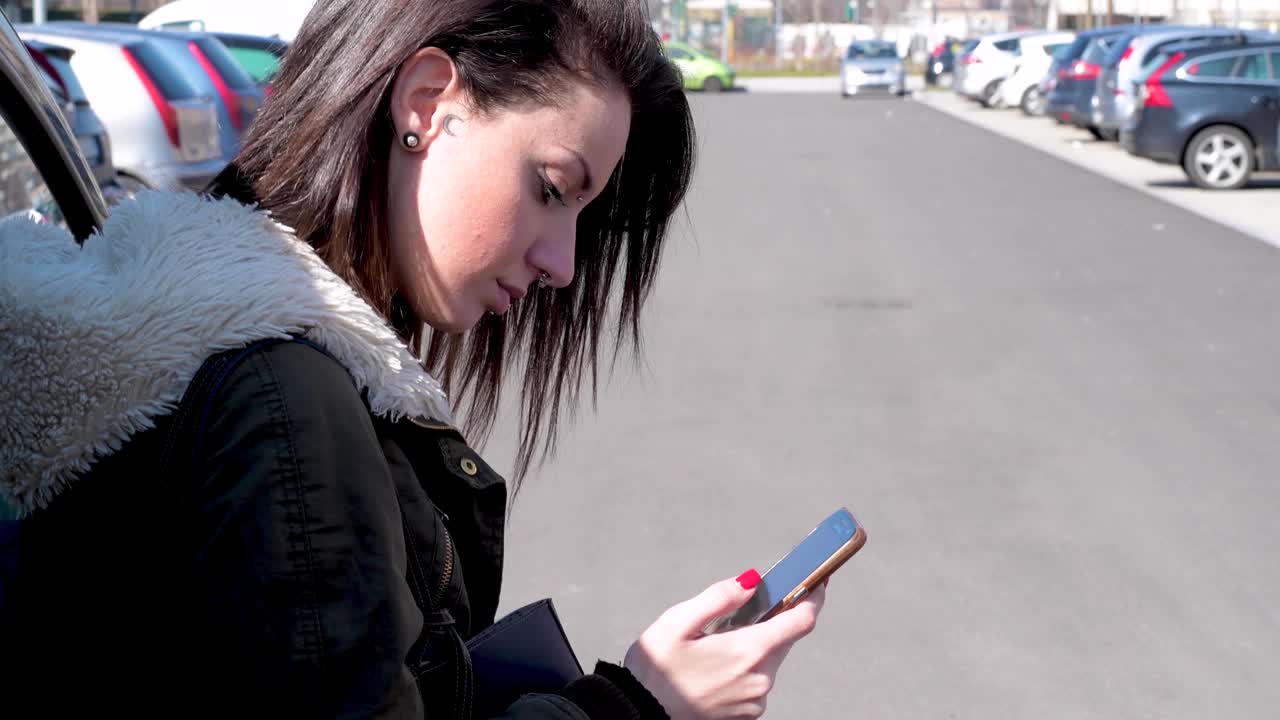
[(425, 97)]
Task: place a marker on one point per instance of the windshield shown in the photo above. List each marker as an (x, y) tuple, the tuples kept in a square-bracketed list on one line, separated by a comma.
[(864, 50)]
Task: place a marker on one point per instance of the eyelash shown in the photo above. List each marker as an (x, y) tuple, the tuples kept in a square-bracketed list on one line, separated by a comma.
[(551, 192)]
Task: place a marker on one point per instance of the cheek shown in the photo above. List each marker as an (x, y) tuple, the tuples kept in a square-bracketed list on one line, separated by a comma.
[(481, 225)]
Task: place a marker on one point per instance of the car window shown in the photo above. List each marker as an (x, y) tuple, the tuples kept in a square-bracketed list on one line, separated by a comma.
[(860, 50), (183, 26), (161, 71), (1253, 67), (1150, 66), (22, 188), (262, 65), (1007, 45), (1275, 64), (679, 54), (1097, 50), (1219, 67), (231, 71)]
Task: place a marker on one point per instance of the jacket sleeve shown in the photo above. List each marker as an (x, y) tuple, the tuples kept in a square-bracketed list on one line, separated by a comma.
[(300, 562)]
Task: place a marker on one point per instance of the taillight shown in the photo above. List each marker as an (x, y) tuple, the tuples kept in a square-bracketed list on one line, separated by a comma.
[(1082, 70), (937, 52), (40, 59), (972, 59), (1127, 53), (230, 100), (168, 115), (1154, 95)]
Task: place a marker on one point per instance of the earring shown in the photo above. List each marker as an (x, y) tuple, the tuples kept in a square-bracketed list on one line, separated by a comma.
[(410, 141), (544, 279)]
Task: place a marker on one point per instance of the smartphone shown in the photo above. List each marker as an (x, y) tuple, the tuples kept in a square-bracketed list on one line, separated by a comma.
[(807, 566)]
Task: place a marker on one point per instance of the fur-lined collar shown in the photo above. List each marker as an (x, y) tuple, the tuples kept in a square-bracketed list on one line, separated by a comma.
[(99, 340)]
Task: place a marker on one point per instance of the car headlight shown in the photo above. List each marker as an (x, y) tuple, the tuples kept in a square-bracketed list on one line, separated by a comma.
[(937, 67)]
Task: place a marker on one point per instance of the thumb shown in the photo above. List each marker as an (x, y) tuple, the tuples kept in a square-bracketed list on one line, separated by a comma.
[(689, 617)]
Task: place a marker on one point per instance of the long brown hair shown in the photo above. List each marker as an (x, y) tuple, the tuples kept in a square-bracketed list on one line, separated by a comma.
[(317, 155)]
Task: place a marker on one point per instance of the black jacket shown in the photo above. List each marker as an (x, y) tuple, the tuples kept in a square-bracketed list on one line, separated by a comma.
[(301, 555)]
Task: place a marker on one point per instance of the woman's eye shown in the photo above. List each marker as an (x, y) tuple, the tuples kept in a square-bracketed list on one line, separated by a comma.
[(551, 192)]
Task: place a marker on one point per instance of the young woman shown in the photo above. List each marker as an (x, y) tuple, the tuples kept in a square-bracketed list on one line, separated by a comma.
[(224, 420)]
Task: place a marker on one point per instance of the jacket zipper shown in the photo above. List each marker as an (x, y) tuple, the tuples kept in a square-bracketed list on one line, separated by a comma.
[(443, 583)]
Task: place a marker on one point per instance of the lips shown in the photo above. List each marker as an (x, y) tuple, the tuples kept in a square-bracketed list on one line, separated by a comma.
[(515, 292)]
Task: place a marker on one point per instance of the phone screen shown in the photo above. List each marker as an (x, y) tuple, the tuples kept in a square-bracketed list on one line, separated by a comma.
[(792, 570)]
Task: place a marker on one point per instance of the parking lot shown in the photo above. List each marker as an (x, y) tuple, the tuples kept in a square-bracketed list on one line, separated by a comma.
[(1254, 210), (1049, 397)]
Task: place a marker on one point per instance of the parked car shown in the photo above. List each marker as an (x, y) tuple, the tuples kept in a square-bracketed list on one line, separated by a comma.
[(988, 64), (54, 64), (175, 104), (1116, 92), (1072, 97), (872, 66), (43, 174), (274, 19), (1034, 56), (699, 70), (1213, 110), (942, 61), (258, 56)]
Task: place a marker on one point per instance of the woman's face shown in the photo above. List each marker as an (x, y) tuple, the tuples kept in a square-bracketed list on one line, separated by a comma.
[(489, 203)]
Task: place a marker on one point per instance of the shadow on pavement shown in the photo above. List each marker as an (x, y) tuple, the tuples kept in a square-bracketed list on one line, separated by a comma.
[(1257, 183)]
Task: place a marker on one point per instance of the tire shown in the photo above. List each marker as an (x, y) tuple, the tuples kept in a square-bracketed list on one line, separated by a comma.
[(1219, 157), (1109, 135), (991, 94), (712, 85), (1032, 102), (1096, 133)]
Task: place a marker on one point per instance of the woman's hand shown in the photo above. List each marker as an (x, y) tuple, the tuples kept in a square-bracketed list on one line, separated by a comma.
[(723, 676)]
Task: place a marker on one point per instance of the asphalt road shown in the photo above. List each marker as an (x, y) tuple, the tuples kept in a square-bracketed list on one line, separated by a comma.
[(1051, 399)]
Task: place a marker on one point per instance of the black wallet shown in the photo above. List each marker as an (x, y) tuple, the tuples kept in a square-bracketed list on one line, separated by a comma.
[(524, 652)]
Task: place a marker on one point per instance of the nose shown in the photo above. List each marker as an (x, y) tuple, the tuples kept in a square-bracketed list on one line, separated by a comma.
[(553, 254)]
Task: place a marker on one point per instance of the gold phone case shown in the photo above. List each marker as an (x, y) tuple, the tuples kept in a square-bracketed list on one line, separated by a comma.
[(820, 575)]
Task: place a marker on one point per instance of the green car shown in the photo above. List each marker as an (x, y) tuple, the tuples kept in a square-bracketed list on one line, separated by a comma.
[(700, 70)]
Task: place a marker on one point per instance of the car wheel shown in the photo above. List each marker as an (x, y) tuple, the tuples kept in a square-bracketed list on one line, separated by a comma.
[(1032, 102), (1219, 158), (1095, 132), (1109, 135), (991, 94), (712, 85)]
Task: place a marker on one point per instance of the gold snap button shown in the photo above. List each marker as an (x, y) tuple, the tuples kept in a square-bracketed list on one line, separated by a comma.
[(469, 466)]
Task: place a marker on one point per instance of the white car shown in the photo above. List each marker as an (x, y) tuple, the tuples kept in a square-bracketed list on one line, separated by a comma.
[(1035, 55), (989, 64), (277, 18)]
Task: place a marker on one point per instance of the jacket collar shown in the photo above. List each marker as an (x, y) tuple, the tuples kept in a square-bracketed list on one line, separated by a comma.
[(100, 340)]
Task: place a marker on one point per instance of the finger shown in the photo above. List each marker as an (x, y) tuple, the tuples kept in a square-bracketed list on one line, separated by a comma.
[(787, 626), (689, 617)]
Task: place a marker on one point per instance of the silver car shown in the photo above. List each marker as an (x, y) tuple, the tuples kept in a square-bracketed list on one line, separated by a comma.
[(54, 64), (872, 66), (163, 115)]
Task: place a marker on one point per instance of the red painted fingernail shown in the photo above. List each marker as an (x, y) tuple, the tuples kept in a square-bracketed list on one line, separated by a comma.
[(749, 580)]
